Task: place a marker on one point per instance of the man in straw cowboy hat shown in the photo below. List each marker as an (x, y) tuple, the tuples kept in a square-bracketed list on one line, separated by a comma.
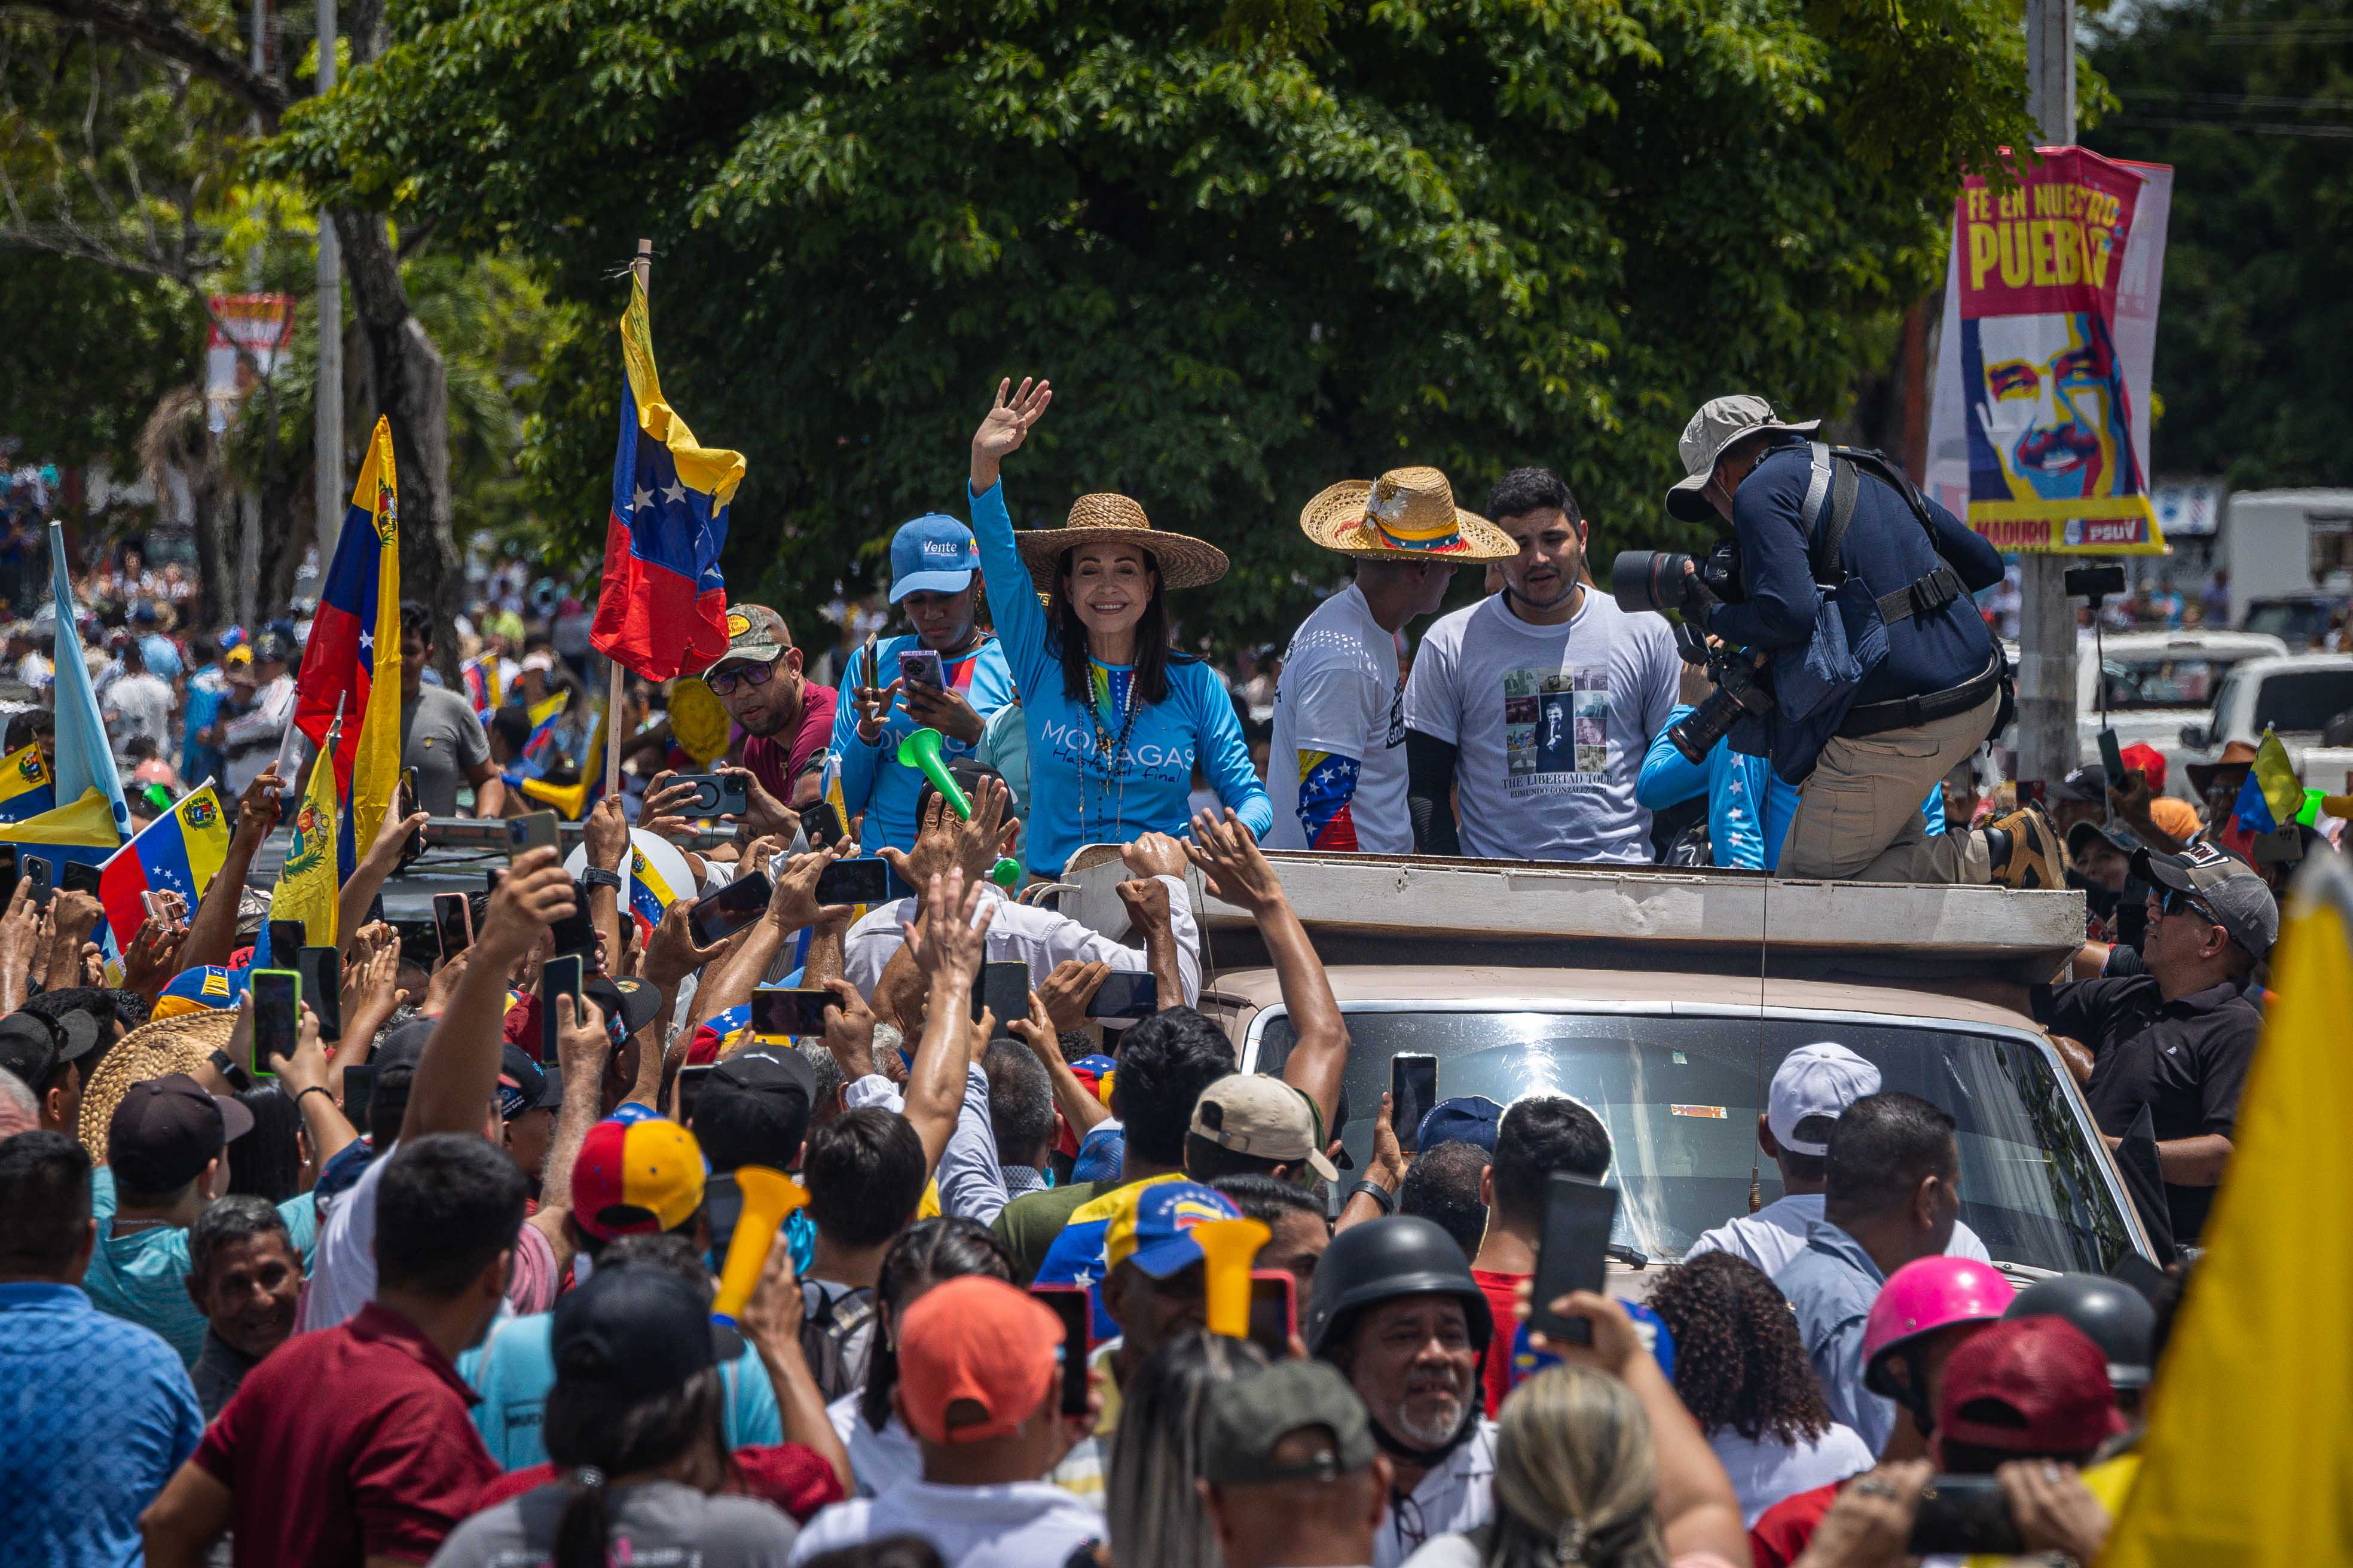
[(1867, 724), (1536, 706), (1337, 770)]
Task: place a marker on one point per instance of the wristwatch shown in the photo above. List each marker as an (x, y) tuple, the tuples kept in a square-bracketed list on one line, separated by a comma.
[(1378, 1193), (598, 876)]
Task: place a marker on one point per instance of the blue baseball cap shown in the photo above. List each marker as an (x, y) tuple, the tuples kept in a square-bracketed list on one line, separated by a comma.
[(1102, 1153), (1472, 1119), (207, 988), (933, 554)]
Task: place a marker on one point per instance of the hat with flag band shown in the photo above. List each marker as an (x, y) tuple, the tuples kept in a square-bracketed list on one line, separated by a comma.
[(1406, 514)]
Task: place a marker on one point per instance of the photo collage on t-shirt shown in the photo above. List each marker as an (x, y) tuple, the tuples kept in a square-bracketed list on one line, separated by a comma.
[(1556, 727)]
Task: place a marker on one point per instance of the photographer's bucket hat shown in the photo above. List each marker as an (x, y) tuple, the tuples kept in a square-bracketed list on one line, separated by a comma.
[(1406, 514), (1719, 423)]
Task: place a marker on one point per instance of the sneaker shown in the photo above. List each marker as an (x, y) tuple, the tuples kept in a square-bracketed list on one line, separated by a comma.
[(2035, 860)]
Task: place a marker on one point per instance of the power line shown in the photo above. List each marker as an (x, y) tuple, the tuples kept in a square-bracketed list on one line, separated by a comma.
[(2239, 127)]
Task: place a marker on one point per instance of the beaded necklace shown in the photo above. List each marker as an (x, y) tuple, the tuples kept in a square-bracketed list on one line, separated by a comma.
[(1109, 750)]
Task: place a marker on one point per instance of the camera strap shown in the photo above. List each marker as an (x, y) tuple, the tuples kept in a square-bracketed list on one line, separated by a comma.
[(1835, 477)]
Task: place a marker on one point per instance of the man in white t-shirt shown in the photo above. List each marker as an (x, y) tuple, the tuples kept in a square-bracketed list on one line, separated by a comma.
[(1336, 768), (1813, 1085), (1533, 708)]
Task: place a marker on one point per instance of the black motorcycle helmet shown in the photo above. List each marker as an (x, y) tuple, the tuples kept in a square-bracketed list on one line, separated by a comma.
[(1381, 1259), (2113, 1316)]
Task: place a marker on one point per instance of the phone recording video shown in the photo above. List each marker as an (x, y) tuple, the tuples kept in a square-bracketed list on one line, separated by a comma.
[(79, 876), (690, 1081), (1126, 994), (576, 932), (922, 667), (532, 830), (778, 1011), (1413, 1089), (1274, 1310), (860, 881), (1002, 988), (38, 871), (824, 826), (322, 969), (277, 1018), (1069, 1302), (715, 795), (1572, 1253), (560, 976), (1964, 1516), (359, 1093), (720, 915), (287, 938), (453, 924)]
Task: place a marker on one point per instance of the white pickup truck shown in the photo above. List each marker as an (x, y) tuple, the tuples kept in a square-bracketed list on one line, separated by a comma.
[(2296, 695), (1664, 999), (2154, 683)]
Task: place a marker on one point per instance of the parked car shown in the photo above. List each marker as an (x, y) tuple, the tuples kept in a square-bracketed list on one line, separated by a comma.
[(2296, 695), (2153, 683), (2300, 620)]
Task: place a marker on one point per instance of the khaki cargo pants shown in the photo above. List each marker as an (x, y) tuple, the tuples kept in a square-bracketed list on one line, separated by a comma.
[(1858, 815)]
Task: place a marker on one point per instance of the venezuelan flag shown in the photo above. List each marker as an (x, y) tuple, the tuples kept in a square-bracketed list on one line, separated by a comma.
[(26, 788), (179, 852), (82, 833), (649, 895), (482, 686), (308, 884), (662, 607), (1079, 1255), (351, 666), (2249, 1456)]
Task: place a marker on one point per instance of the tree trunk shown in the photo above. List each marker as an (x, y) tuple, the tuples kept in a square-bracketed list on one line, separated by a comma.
[(409, 383)]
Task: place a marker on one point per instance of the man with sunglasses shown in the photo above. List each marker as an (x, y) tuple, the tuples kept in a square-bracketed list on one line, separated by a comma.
[(2177, 1038), (787, 717)]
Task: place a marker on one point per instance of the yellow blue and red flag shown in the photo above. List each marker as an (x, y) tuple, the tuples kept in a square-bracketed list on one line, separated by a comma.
[(351, 666), (82, 833), (2273, 795), (179, 852), (308, 884), (662, 607), (26, 788)]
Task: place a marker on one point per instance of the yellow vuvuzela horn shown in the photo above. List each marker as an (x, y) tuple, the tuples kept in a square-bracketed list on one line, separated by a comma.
[(768, 1197), (1228, 1248)]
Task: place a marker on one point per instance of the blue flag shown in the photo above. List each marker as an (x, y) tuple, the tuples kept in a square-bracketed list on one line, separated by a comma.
[(84, 760)]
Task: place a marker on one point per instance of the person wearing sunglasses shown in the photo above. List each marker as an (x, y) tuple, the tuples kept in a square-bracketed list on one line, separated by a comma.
[(2178, 1039), (787, 717)]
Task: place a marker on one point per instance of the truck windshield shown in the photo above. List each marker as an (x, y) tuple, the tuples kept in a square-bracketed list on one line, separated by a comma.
[(2303, 700), (1681, 1095), (2169, 681)]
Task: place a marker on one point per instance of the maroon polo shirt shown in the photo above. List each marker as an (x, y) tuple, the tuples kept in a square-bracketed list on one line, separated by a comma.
[(775, 760), (347, 1443)]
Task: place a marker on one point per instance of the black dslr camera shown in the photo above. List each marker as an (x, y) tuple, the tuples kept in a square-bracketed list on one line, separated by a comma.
[(1658, 581)]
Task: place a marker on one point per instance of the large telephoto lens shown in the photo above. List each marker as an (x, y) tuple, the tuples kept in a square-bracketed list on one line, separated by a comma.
[(1648, 580)]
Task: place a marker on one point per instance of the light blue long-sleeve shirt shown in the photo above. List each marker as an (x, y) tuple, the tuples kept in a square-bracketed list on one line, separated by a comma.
[(1830, 1285), (1748, 808), (1073, 802), (872, 778)]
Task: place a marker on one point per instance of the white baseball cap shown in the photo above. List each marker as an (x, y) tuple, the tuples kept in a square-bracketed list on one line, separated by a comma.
[(1815, 1080)]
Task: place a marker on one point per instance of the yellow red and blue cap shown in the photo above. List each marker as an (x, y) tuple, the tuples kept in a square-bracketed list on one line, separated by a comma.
[(207, 988), (636, 1177)]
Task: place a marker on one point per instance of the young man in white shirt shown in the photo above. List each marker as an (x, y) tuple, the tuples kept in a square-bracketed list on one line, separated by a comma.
[(1533, 710), (1336, 769)]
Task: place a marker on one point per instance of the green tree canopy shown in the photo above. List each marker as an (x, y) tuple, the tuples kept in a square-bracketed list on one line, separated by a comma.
[(1256, 252), (2252, 102)]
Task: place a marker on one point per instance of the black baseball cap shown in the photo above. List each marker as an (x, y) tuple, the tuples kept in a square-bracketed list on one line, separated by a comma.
[(755, 1108), (166, 1129), (2088, 783), (636, 1328), (523, 1084), (2232, 890), (404, 1047), (628, 999), (33, 1046), (1248, 1419)]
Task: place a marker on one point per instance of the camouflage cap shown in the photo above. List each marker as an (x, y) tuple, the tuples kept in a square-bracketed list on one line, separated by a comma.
[(756, 632)]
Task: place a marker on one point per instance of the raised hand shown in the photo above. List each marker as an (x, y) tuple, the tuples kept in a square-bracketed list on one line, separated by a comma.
[(1066, 992), (258, 808), (154, 956), (1006, 427), (873, 707), (793, 906), (1228, 854), (536, 892), (949, 943), (607, 833), (849, 1030)]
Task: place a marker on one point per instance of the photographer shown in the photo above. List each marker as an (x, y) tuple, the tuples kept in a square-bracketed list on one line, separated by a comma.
[(1853, 592)]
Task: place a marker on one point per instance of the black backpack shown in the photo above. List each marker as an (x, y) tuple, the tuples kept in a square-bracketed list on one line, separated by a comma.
[(826, 1330)]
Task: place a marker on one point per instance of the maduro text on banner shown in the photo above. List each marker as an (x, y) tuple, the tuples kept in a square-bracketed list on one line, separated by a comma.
[(2038, 432)]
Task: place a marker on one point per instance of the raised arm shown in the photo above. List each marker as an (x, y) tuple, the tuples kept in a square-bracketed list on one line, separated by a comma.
[(458, 1070), (212, 933), (382, 859), (947, 946), (1230, 859), (1012, 596), (1152, 897)]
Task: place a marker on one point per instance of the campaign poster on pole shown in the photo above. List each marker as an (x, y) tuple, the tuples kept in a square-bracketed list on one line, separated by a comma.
[(2039, 427)]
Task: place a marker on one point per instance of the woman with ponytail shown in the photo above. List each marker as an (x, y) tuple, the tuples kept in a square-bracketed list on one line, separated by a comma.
[(1598, 1465), (633, 1426)]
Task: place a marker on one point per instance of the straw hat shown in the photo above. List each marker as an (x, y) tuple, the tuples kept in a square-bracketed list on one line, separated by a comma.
[(185, 1043), (1406, 514), (1185, 561)]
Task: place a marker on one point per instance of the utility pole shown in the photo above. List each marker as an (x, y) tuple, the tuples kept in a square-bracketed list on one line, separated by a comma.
[(2046, 621), (327, 422)]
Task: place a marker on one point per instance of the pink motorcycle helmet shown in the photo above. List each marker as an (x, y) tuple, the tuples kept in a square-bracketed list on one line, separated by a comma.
[(1923, 1296)]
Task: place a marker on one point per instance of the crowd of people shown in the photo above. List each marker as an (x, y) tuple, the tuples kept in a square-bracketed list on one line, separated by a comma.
[(442, 1280)]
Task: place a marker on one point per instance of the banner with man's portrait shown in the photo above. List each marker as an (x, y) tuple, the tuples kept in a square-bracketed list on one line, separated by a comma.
[(2039, 430)]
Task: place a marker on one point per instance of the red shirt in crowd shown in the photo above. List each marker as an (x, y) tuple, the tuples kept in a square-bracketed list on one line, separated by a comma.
[(777, 762), (1781, 1533), (1502, 1293), (347, 1443), (790, 1476)]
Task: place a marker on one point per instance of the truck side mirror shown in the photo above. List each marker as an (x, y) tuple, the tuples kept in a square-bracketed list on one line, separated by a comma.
[(2194, 736)]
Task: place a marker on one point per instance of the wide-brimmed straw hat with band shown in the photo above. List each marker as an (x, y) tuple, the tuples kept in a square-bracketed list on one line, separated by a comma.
[(1185, 561), (1406, 514), (188, 1043)]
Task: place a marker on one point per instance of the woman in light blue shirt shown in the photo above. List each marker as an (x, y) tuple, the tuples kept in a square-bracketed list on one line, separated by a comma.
[(1115, 717)]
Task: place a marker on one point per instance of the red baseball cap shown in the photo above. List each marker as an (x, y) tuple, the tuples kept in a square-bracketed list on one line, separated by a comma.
[(2150, 761), (977, 1341), (2029, 1385)]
